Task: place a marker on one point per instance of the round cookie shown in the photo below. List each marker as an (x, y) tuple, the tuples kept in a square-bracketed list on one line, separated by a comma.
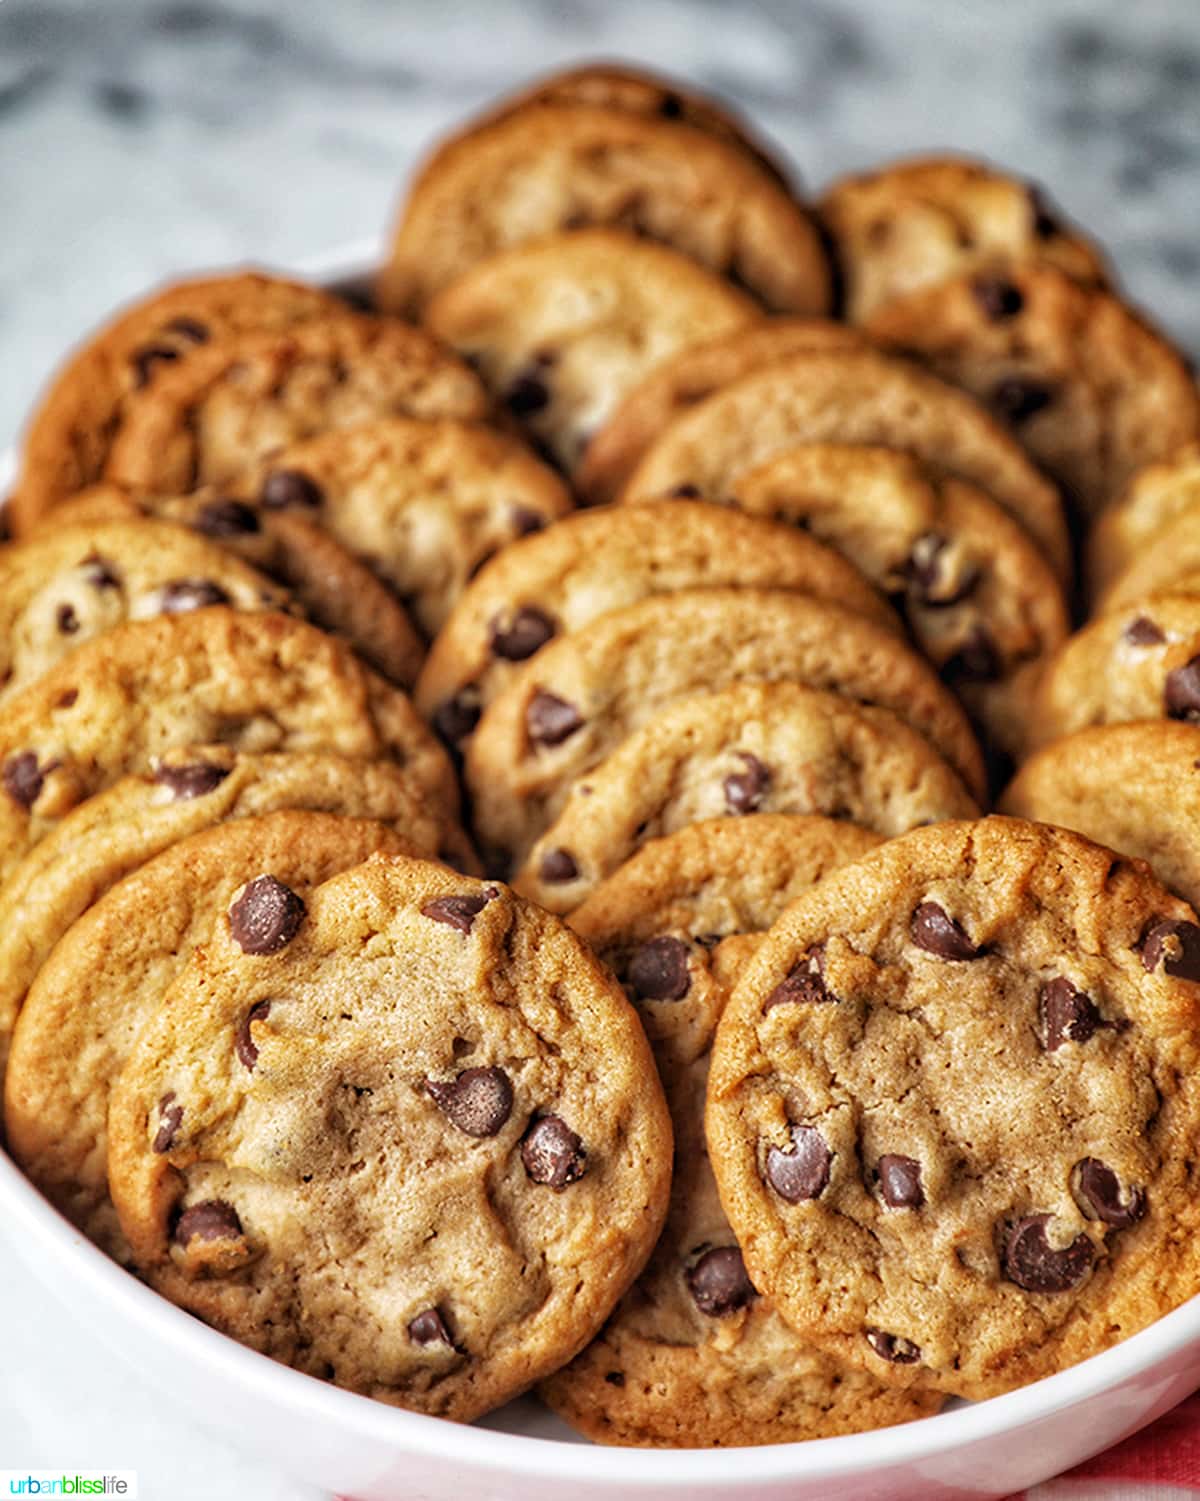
[(927, 219), (570, 707), (1139, 662), (1127, 786), (858, 398), (338, 593), (256, 682), (688, 377), (980, 599), (66, 586), (186, 790), (234, 401), (68, 438), (1156, 495), (1090, 388), (547, 167), (692, 1357), (1167, 561), (596, 561), (110, 973), (433, 1194), (947, 1100), (561, 328), (754, 747)]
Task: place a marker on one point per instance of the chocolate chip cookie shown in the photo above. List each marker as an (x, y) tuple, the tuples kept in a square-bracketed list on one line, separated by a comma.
[(557, 582), (234, 401), (70, 584), (109, 974), (754, 747), (688, 377), (856, 398), (560, 328), (256, 682), (570, 707), (980, 600), (187, 790), (1087, 385), (947, 1100), (693, 1356), (430, 1193), (71, 430), (548, 167), (925, 220), (1155, 496)]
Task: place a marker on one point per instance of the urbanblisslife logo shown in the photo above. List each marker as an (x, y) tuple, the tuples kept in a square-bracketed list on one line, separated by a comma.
[(121, 1483)]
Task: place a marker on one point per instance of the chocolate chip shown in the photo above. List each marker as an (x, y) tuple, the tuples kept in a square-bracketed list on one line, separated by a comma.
[(1143, 632), (1067, 1014), (170, 1114), (557, 867), (225, 518), (900, 1182), (459, 911), (145, 360), (244, 1042), (718, 1282), (975, 661), (550, 720), (893, 1348), (1098, 1194), (803, 1171), (189, 329), (211, 1219), (1018, 398), (552, 1153), (284, 488), (527, 632), (615, 1378), (66, 619), (658, 970), (429, 1328), (478, 1102), (1029, 1260), (686, 491), (527, 394), (23, 778), (266, 916), (936, 932), (1042, 221), (745, 789), (525, 522), (1177, 945), (671, 107), (1181, 692), (100, 573), (804, 984), (181, 595), (999, 299), (195, 780), (455, 718), (931, 576)]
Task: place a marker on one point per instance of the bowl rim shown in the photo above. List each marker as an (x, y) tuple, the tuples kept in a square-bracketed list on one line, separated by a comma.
[(25, 1214)]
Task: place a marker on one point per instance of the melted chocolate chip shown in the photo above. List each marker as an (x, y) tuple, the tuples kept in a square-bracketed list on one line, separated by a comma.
[(429, 1328), (552, 1153), (478, 1101), (459, 911), (144, 361), (525, 522), (658, 970), (1042, 221), (893, 1348), (615, 1378), (225, 518), (557, 867), (266, 917), (998, 298), (170, 1114), (455, 718), (670, 107), (284, 488), (189, 328), (181, 595), (1029, 1260), (1174, 944), (1067, 1014), (99, 573), (527, 632), (936, 932), (23, 778), (975, 661), (66, 620), (195, 780), (804, 984), (931, 577), (550, 720), (900, 1182), (685, 491), (745, 789), (1181, 691), (718, 1282), (243, 1041), (212, 1219), (1143, 632), (527, 394), (1018, 398), (803, 1171), (1098, 1194)]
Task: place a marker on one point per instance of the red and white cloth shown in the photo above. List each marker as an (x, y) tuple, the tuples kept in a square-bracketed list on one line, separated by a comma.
[(1161, 1463)]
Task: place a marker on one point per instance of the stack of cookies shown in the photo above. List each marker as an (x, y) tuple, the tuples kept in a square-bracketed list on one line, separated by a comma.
[(495, 890)]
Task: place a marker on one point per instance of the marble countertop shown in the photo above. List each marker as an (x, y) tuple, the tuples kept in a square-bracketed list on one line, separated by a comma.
[(140, 139)]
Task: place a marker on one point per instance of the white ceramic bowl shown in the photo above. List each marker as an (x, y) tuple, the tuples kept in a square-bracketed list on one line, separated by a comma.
[(372, 1452)]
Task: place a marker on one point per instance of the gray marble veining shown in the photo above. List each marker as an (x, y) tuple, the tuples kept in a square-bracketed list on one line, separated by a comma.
[(143, 138)]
